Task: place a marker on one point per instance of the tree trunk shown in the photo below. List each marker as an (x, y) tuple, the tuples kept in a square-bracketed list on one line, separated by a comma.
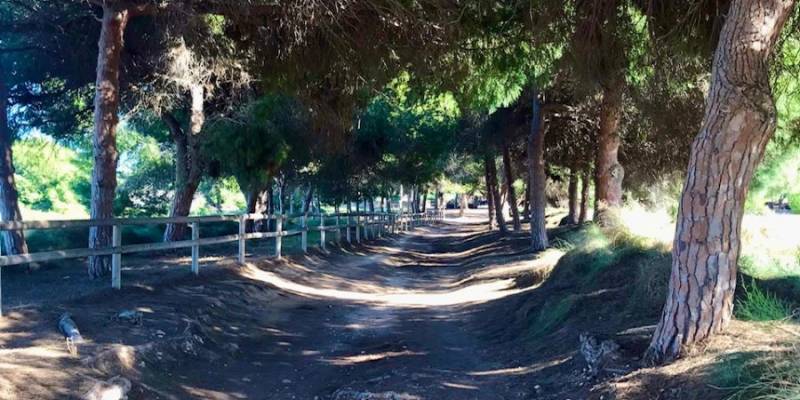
[(537, 178), (307, 200), (252, 199), (424, 201), (463, 205), (740, 119), (526, 208), (13, 241), (584, 207), (572, 190), (188, 164), (494, 192), (512, 197), (489, 198), (608, 169), (106, 107)]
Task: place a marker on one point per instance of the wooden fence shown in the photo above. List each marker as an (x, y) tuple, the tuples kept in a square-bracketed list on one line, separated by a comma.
[(362, 225)]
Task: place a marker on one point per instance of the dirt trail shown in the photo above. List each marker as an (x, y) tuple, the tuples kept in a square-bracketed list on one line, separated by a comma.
[(403, 317), (344, 349)]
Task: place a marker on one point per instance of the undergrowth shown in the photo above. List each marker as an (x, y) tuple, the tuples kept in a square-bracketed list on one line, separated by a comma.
[(597, 260), (756, 304), (773, 377)]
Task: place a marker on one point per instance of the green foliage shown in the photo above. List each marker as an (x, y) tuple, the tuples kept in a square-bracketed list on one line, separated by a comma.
[(253, 146), (764, 376), (221, 195), (759, 305), (50, 177), (146, 176)]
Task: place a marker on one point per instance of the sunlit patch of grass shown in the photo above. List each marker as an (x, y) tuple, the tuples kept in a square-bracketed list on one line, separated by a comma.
[(776, 378), (759, 305)]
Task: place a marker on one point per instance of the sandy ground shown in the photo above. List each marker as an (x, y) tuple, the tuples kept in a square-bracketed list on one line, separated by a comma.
[(392, 319)]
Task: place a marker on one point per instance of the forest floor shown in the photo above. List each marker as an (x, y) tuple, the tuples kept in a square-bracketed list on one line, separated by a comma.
[(445, 312)]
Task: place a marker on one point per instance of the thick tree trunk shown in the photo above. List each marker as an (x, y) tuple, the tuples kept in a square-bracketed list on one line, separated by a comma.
[(106, 107), (424, 201), (512, 197), (740, 119), (608, 169), (13, 241), (584, 207), (188, 163), (537, 178), (572, 191), (463, 205), (494, 193)]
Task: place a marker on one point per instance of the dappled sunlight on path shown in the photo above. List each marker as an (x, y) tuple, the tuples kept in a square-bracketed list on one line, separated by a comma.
[(471, 294)]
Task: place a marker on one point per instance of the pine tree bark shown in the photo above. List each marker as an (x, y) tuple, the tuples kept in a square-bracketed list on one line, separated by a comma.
[(740, 118), (537, 178), (13, 241), (489, 196), (572, 192), (494, 192), (106, 107), (609, 171), (584, 207), (512, 197), (189, 165)]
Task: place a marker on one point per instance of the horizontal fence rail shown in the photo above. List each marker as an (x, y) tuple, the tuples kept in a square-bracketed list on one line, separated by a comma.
[(363, 225)]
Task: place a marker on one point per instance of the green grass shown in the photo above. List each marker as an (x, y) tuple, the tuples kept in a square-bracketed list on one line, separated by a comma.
[(552, 315), (770, 377), (758, 305)]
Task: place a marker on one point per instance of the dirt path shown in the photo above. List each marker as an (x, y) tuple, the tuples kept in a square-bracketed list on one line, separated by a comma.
[(343, 348), (395, 318)]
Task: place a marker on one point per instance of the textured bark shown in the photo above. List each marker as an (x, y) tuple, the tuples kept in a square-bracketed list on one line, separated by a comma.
[(584, 207), (740, 118), (13, 241), (307, 200), (106, 107), (608, 169), (189, 165), (537, 178), (494, 193), (489, 197), (572, 191), (512, 197)]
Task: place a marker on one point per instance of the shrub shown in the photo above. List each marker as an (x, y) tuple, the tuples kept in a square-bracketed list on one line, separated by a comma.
[(758, 305)]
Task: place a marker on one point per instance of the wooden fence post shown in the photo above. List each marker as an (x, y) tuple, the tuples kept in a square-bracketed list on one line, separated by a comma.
[(338, 231), (116, 258), (304, 234), (347, 229), (358, 228), (196, 248), (322, 231), (278, 232), (242, 237)]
